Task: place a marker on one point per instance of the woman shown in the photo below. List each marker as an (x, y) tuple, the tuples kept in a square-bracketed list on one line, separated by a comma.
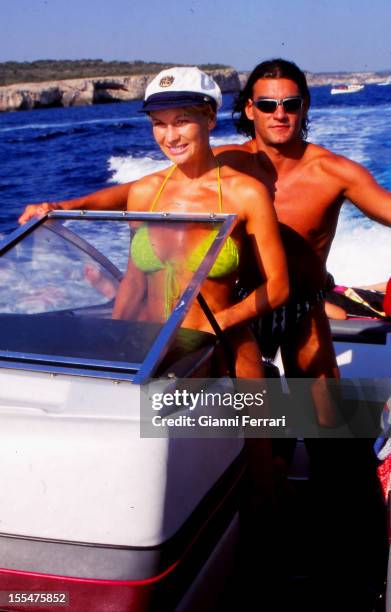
[(182, 103)]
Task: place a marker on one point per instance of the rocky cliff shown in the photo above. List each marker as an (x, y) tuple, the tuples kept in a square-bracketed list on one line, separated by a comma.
[(98, 90), (80, 92)]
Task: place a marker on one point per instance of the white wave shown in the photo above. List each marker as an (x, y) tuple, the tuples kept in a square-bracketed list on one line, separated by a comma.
[(125, 169), (350, 131), (337, 138), (361, 252), (129, 168), (35, 126)]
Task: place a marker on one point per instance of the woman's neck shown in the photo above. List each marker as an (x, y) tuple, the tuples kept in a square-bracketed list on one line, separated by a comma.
[(195, 169)]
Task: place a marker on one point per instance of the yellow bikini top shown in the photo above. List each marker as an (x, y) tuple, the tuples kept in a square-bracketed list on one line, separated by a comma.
[(145, 258)]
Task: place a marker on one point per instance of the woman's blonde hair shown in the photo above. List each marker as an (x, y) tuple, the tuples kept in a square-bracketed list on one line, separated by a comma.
[(203, 109)]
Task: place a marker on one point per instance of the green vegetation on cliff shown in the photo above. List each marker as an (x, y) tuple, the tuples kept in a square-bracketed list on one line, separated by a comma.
[(55, 70)]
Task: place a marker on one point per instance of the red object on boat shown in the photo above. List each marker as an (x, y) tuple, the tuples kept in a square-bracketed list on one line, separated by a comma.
[(384, 475), (387, 299)]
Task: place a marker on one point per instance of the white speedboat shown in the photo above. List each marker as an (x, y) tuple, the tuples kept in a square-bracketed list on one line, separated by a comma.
[(98, 504), (346, 88), (117, 520)]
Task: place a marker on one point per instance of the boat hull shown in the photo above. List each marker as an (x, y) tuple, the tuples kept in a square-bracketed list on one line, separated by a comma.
[(119, 522)]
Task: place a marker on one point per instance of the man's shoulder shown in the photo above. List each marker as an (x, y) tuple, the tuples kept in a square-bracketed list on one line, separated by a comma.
[(241, 157), (315, 152), (248, 145), (241, 188), (326, 160), (232, 149)]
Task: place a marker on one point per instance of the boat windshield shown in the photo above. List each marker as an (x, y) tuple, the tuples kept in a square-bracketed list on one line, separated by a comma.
[(102, 291)]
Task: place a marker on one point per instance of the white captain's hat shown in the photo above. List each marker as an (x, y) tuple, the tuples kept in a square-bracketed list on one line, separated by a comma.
[(181, 86)]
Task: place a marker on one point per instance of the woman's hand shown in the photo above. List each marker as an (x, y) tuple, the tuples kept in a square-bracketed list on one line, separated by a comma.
[(36, 210)]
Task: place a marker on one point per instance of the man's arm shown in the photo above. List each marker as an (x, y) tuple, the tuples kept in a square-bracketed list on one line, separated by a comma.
[(110, 198), (362, 190)]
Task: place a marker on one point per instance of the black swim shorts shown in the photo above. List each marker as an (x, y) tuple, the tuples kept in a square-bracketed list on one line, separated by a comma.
[(271, 329)]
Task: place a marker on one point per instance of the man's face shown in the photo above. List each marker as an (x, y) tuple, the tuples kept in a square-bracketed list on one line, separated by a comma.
[(279, 127)]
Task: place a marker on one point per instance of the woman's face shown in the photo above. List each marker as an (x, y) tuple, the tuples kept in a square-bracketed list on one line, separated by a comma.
[(181, 133)]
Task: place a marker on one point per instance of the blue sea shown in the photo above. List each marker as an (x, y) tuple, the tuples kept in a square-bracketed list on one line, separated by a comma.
[(54, 154)]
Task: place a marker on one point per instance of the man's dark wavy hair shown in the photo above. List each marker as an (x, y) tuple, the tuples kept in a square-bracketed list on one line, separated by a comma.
[(271, 69)]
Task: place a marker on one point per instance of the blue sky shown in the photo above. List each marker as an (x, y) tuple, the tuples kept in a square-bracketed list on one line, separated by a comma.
[(320, 35)]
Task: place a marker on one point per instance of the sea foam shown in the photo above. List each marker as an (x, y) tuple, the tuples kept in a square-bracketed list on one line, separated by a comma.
[(125, 169), (128, 168), (361, 252)]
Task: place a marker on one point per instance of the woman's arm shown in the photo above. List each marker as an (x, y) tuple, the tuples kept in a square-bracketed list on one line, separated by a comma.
[(257, 214), (130, 294), (111, 198)]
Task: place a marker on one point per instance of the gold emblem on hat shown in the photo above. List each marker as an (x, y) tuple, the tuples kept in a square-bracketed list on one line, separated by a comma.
[(166, 81)]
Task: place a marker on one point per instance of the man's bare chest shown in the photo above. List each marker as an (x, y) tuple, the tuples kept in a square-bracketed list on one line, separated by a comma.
[(307, 206)]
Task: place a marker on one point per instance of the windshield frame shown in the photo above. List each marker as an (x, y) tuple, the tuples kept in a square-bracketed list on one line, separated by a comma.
[(139, 372)]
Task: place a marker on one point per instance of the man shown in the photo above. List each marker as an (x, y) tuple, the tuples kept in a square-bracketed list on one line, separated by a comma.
[(309, 185)]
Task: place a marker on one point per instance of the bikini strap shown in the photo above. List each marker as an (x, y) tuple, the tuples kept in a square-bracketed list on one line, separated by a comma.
[(219, 192), (162, 186), (171, 171)]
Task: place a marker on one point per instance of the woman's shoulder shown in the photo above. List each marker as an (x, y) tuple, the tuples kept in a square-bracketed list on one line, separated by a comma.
[(150, 180), (244, 195), (142, 191)]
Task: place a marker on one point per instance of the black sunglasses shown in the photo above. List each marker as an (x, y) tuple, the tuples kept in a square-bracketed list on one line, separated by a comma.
[(270, 105)]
